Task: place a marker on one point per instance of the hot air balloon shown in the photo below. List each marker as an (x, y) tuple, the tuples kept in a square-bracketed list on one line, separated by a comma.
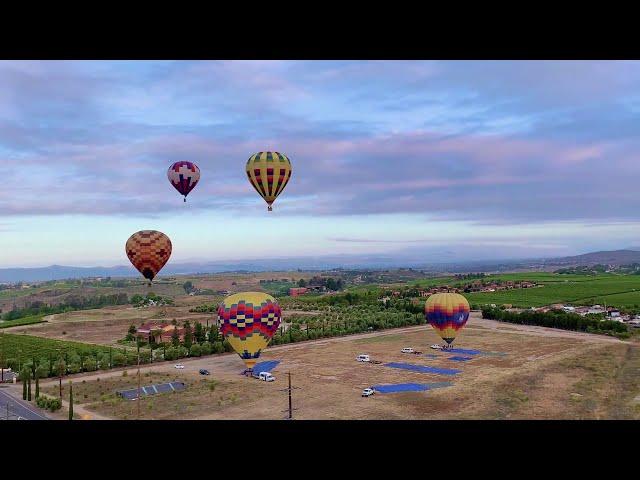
[(248, 320), (269, 173), (447, 313), (148, 251), (184, 177)]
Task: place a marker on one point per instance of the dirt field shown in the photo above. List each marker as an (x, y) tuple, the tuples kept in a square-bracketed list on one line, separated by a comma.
[(544, 374), (105, 326)]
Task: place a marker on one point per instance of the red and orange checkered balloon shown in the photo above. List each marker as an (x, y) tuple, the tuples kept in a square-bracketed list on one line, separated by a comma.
[(148, 251)]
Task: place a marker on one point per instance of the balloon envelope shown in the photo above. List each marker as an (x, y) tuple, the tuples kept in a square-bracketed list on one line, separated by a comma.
[(248, 320), (269, 173), (447, 313), (184, 177), (148, 251)]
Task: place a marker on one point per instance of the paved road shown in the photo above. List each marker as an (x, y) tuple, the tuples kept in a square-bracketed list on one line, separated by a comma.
[(17, 407)]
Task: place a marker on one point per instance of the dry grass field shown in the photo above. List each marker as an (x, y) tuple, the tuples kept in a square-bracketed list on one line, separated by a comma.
[(544, 374)]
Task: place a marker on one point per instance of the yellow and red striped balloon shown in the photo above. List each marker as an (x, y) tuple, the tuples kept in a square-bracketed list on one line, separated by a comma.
[(269, 173)]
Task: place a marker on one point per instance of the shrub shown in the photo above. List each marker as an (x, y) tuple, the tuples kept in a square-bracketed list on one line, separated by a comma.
[(171, 354), (119, 359), (90, 364), (48, 403), (195, 350)]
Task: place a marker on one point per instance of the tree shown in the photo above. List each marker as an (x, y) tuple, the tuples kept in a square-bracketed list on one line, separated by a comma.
[(24, 385), (137, 299), (70, 400), (175, 338), (199, 333), (29, 385), (131, 333), (188, 286), (37, 383), (302, 283), (188, 335), (214, 334)]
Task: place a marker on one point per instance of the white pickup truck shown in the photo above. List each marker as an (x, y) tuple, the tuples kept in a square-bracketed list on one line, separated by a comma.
[(266, 377)]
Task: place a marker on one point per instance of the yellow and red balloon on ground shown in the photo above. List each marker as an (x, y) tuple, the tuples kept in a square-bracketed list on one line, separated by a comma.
[(148, 251), (269, 173), (248, 321), (447, 313)]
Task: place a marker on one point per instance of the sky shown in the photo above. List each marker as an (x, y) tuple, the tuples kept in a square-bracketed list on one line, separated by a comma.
[(455, 160)]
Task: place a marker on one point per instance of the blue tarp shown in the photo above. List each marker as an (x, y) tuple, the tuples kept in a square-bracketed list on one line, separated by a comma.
[(132, 394), (463, 351), (409, 387), (459, 358), (265, 366), (422, 368)]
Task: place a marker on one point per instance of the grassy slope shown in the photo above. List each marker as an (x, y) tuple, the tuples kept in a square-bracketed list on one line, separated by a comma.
[(22, 321), (28, 346)]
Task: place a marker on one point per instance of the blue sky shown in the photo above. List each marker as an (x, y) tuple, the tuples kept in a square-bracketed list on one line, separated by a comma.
[(468, 159)]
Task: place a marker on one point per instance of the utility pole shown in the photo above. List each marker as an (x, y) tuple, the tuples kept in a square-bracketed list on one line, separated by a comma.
[(288, 390), (2, 359), (290, 405), (138, 382), (60, 374)]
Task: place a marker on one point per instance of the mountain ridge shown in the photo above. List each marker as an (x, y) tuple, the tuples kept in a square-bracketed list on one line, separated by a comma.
[(372, 261)]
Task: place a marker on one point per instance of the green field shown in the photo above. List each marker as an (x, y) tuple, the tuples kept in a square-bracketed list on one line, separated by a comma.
[(26, 347), (618, 290), (22, 321)]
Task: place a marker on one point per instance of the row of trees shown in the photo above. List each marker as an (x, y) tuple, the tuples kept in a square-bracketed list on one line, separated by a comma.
[(558, 319), (73, 302), (329, 283), (139, 300)]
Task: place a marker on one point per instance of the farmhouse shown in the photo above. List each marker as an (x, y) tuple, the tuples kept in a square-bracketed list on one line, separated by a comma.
[(158, 332), (295, 292)]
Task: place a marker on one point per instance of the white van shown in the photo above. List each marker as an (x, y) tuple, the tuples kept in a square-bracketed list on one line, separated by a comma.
[(266, 377), (363, 358)]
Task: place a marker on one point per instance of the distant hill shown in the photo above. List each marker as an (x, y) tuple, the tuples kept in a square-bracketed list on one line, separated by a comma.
[(59, 272), (612, 257)]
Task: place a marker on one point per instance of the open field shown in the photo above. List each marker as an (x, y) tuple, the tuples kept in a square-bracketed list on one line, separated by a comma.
[(105, 326), (27, 347), (544, 374), (618, 290)]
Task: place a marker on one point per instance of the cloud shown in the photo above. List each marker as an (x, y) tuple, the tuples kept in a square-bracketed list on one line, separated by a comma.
[(491, 142)]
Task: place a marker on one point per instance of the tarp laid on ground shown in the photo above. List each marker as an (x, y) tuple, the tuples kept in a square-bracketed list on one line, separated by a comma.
[(459, 358), (409, 387), (266, 366), (423, 368), (462, 351), (132, 394)]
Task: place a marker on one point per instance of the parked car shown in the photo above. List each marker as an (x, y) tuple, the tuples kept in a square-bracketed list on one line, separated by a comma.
[(179, 366), (435, 346), (266, 377), (367, 392), (407, 350), (363, 358), (204, 372)]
